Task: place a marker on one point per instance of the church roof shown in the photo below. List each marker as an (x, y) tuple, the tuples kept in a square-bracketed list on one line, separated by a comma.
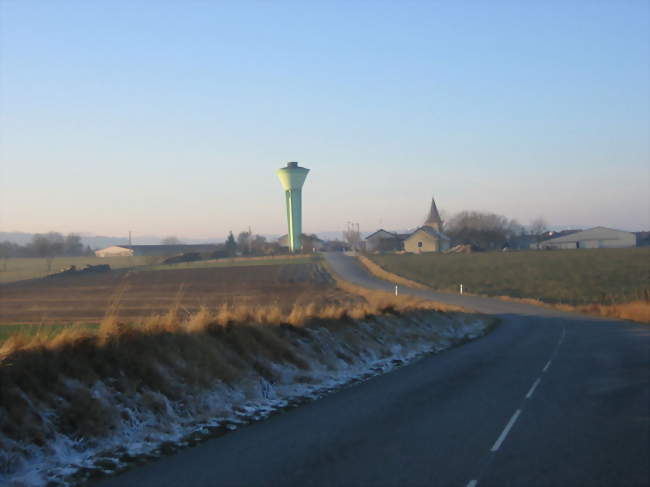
[(431, 231), (434, 216)]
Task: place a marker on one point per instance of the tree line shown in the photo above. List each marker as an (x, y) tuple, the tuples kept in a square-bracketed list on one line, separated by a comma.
[(488, 231), (51, 244)]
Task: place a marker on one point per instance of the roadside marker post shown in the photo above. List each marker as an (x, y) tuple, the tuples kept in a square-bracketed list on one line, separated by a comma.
[(396, 290), (461, 289)]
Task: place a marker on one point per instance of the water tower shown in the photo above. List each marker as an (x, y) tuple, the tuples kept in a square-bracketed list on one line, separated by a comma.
[(292, 178)]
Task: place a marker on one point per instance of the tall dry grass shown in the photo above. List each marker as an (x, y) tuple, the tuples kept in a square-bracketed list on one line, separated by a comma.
[(378, 271), (167, 354)]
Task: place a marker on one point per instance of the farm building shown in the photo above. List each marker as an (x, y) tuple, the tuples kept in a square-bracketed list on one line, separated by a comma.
[(385, 241), (594, 238), (152, 250), (427, 238)]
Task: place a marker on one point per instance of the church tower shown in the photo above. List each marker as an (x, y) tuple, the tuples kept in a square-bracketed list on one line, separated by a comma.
[(433, 220)]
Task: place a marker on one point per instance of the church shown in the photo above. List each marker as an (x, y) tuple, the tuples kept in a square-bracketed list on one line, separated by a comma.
[(427, 238)]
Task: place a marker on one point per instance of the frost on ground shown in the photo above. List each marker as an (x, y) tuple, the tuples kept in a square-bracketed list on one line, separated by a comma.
[(94, 404)]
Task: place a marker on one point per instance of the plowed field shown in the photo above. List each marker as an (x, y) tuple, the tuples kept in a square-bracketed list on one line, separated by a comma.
[(86, 298)]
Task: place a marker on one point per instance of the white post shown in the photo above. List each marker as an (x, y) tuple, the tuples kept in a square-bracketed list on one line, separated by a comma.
[(461, 289), (396, 291)]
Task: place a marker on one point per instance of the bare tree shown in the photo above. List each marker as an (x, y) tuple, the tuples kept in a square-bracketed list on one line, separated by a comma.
[(171, 240), (537, 229), (483, 230), (352, 236)]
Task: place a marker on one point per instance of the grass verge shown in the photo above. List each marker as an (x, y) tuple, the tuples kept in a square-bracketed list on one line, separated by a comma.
[(95, 397)]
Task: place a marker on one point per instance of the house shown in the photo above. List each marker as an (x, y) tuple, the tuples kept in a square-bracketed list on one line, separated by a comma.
[(153, 250), (594, 238), (426, 239), (429, 237), (384, 241)]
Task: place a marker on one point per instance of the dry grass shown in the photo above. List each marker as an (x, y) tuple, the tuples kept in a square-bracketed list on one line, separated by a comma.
[(158, 354), (638, 311), (382, 273), (383, 300)]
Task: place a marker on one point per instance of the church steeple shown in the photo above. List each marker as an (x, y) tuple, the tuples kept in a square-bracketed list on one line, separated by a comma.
[(434, 220)]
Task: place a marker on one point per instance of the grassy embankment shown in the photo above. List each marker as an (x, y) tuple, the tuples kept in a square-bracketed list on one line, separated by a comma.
[(81, 387), (606, 282)]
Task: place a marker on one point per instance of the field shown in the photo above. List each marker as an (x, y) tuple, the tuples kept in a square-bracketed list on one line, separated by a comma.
[(19, 268), (603, 276), (133, 295)]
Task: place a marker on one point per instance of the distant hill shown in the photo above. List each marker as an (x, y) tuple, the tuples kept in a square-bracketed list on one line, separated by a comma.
[(94, 241)]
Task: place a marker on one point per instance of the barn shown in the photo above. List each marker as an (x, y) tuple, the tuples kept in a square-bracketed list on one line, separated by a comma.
[(594, 238), (153, 250), (384, 241)]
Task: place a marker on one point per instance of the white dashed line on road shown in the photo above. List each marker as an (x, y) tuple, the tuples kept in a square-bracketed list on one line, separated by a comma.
[(515, 416), (532, 389), (506, 430)]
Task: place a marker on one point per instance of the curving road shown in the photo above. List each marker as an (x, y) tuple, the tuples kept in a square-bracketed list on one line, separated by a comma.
[(548, 398)]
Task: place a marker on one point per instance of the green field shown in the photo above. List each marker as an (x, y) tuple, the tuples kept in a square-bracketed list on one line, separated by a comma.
[(573, 277), (21, 268)]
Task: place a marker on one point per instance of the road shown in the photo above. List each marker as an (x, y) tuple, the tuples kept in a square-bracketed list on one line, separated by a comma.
[(548, 398)]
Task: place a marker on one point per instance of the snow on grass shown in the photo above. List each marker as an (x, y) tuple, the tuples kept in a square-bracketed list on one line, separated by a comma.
[(110, 412)]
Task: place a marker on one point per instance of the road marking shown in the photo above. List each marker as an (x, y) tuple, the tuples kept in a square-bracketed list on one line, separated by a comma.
[(532, 389), (547, 365), (506, 430), (472, 483)]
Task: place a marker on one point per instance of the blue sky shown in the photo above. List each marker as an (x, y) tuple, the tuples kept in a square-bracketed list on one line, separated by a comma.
[(170, 117)]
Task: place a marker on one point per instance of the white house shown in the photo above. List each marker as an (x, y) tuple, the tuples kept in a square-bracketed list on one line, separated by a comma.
[(153, 250)]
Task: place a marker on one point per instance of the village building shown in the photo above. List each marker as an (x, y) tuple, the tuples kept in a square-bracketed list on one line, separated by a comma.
[(153, 250), (427, 238), (594, 238), (385, 241)]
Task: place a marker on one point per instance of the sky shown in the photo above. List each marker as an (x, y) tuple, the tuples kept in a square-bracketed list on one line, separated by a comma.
[(171, 117)]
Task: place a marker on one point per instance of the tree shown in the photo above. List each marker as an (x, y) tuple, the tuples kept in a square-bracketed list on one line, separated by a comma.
[(244, 242), (537, 229), (231, 244), (47, 245), (171, 240), (72, 245), (483, 230), (258, 245), (352, 236)]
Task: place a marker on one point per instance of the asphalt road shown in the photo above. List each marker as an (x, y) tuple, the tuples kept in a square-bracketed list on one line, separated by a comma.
[(548, 398)]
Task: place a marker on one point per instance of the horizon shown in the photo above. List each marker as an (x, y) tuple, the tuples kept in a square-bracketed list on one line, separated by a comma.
[(535, 110)]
